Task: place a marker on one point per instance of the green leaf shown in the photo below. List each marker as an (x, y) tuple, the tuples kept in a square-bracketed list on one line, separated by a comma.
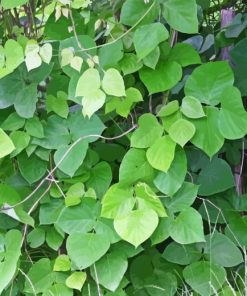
[(36, 237), (170, 182), (93, 102), (150, 35), (165, 76), (135, 161), (113, 83), (168, 109), (136, 226), (110, 55), (11, 254), (62, 263), (181, 254), (187, 228), (147, 132), (204, 277), (192, 108), (184, 54), (76, 219), (152, 58), (161, 233), (183, 198), (58, 290), (45, 53), (181, 16), (25, 104), (41, 277), (208, 82), (89, 81), (54, 239), (32, 168), (70, 158), (182, 131), (222, 251), (58, 105), (8, 4), (130, 63), (76, 280), (215, 177), (133, 10), (6, 144), (100, 178), (34, 127), (13, 122), (232, 116), (147, 199), (117, 200), (20, 140), (161, 154), (110, 270), (14, 56), (207, 136), (83, 249)]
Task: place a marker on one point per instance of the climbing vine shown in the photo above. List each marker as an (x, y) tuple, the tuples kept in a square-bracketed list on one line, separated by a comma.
[(122, 147)]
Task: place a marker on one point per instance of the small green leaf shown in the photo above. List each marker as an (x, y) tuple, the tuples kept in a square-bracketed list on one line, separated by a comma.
[(58, 105), (130, 64), (182, 131), (46, 53), (6, 144), (83, 249), (168, 109), (13, 122), (93, 102), (150, 35), (148, 131), (161, 154), (232, 116), (62, 263), (192, 108), (34, 127), (113, 83), (181, 16), (36, 237), (165, 76), (136, 226), (8, 4), (20, 140), (70, 158), (184, 54), (187, 228), (89, 81), (76, 280)]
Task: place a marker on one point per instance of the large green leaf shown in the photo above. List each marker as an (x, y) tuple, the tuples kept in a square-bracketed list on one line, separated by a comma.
[(117, 200), (39, 277), (183, 198), (70, 159), (207, 82), (184, 54), (135, 161), (136, 226), (93, 102), (6, 144), (76, 219), (169, 183), (187, 228), (165, 76), (204, 277), (161, 154), (8, 264), (181, 254), (207, 136), (232, 116), (222, 251), (181, 131), (133, 10), (181, 16), (32, 168), (149, 130), (150, 35), (215, 177), (110, 270), (8, 4), (85, 249)]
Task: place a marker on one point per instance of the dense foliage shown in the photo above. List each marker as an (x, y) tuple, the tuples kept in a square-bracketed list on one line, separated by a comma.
[(122, 147)]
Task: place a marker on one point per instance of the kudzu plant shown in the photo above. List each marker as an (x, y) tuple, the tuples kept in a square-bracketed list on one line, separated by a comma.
[(122, 147)]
